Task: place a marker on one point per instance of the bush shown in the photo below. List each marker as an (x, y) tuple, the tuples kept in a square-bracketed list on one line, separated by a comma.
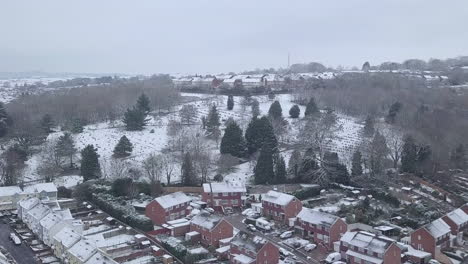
[(386, 197), (63, 192), (307, 193), (122, 187)]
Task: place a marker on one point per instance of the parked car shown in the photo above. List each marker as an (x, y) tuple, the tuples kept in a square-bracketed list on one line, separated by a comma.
[(286, 234), (333, 257), (339, 262), (252, 228), (15, 239), (263, 224), (310, 247)]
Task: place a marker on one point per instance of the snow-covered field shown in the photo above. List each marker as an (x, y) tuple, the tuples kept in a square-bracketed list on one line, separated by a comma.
[(104, 136)]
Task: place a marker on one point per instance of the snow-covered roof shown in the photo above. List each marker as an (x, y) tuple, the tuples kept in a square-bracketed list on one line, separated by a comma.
[(458, 216), (243, 259), (373, 242), (39, 187), (10, 190), (414, 252), (83, 249), (438, 228), (222, 250), (277, 198), (39, 211), (99, 258), (67, 237), (54, 218), (224, 187), (29, 203), (172, 199), (206, 220), (248, 241), (316, 217)]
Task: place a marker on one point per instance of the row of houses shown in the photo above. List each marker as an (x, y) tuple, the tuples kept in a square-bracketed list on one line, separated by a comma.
[(85, 235), (247, 81), (11, 195)]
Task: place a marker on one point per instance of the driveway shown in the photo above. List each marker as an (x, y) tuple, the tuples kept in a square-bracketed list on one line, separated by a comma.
[(22, 254), (236, 221)]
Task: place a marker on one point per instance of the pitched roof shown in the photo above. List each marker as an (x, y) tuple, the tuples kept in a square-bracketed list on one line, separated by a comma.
[(277, 198), (99, 258), (458, 216), (206, 220), (378, 244), (438, 228), (67, 237), (223, 187), (316, 217), (29, 203), (55, 217), (172, 199), (39, 187), (248, 241), (10, 190), (83, 249)]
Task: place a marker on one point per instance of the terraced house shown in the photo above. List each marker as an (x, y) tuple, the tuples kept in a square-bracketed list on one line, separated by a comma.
[(212, 228), (168, 207), (223, 196), (280, 206), (432, 237), (325, 229), (250, 249), (363, 247)]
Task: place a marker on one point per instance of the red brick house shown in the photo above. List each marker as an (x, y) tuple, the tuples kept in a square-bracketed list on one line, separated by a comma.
[(168, 207), (432, 237), (322, 227), (221, 195), (250, 249), (457, 220), (212, 228), (280, 206), (362, 247)]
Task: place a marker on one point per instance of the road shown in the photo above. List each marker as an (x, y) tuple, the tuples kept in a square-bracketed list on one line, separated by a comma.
[(236, 221), (22, 253)]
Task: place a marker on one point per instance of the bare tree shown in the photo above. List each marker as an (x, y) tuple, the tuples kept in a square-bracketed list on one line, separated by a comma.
[(167, 166), (50, 164), (394, 138), (153, 168), (188, 114), (114, 168)]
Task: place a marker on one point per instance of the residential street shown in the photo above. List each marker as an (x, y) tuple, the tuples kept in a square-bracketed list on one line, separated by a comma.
[(236, 221), (22, 254)]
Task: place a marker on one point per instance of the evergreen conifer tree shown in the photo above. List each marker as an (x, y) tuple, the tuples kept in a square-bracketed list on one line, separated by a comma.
[(369, 128), (458, 157), (395, 108), (295, 111), (259, 132), (5, 120), (123, 148), (356, 169), (311, 108), (280, 169), (90, 168), (212, 122), (255, 108), (76, 126), (188, 177), (263, 171), (230, 102), (66, 147), (275, 111), (135, 119), (47, 123), (377, 153), (409, 155), (233, 141), (294, 164), (143, 103)]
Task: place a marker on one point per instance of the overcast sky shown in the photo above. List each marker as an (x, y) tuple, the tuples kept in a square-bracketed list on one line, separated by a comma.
[(196, 36)]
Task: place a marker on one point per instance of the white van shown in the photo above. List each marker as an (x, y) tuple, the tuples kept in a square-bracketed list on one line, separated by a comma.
[(332, 257), (263, 224)]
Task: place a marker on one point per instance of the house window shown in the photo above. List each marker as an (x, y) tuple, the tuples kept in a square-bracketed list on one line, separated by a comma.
[(264, 253), (419, 237)]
